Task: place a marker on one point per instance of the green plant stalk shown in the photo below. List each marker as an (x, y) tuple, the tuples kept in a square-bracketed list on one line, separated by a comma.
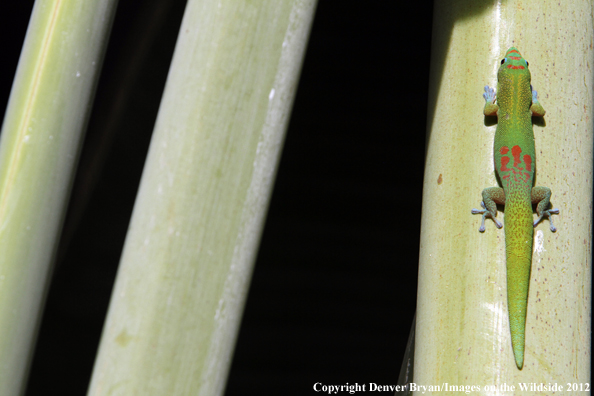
[(46, 115), (188, 257), (462, 330)]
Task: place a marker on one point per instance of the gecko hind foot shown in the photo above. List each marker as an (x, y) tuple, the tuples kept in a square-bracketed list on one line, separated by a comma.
[(548, 214), (486, 214)]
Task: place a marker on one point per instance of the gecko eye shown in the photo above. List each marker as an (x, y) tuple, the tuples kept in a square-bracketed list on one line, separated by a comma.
[(502, 61), (527, 64)]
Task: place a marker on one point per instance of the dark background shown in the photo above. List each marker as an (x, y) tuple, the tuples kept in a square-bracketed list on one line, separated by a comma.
[(334, 288)]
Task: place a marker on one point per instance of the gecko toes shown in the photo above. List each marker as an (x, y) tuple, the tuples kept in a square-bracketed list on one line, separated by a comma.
[(548, 214), (485, 213)]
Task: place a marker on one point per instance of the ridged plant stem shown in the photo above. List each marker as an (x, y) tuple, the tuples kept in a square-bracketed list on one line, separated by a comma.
[(462, 329), (41, 134), (187, 261)]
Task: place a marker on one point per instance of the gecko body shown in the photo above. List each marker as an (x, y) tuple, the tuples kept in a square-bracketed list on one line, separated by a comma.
[(515, 163)]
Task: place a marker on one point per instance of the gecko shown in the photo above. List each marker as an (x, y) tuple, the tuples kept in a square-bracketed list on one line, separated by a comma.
[(514, 104)]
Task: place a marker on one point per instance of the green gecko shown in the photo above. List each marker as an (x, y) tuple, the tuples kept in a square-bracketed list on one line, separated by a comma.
[(515, 163)]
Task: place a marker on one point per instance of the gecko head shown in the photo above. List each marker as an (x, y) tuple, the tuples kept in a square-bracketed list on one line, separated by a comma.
[(513, 64)]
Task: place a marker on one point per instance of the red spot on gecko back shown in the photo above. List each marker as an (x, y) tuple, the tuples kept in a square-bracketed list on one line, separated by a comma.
[(528, 162), (504, 150), (515, 67), (516, 152), (504, 162)]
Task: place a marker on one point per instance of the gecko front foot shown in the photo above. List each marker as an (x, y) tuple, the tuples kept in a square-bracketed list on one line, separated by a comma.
[(536, 108), (548, 214), (486, 213), (489, 94), (534, 94)]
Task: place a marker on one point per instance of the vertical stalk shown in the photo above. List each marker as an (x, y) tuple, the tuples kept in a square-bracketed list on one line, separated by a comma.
[(462, 331), (194, 233), (41, 134)]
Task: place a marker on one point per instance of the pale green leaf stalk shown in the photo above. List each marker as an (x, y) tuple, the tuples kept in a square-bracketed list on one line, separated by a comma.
[(463, 335), (40, 139), (188, 257)]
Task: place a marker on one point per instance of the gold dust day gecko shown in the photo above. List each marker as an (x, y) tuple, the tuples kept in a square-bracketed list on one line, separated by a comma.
[(515, 163)]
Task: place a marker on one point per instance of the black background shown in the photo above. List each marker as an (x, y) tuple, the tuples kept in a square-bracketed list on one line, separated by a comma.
[(334, 288)]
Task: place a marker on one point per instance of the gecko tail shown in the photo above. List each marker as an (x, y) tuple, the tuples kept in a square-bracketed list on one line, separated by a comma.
[(518, 237), (517, 318), (519, 355), (518, 276)]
